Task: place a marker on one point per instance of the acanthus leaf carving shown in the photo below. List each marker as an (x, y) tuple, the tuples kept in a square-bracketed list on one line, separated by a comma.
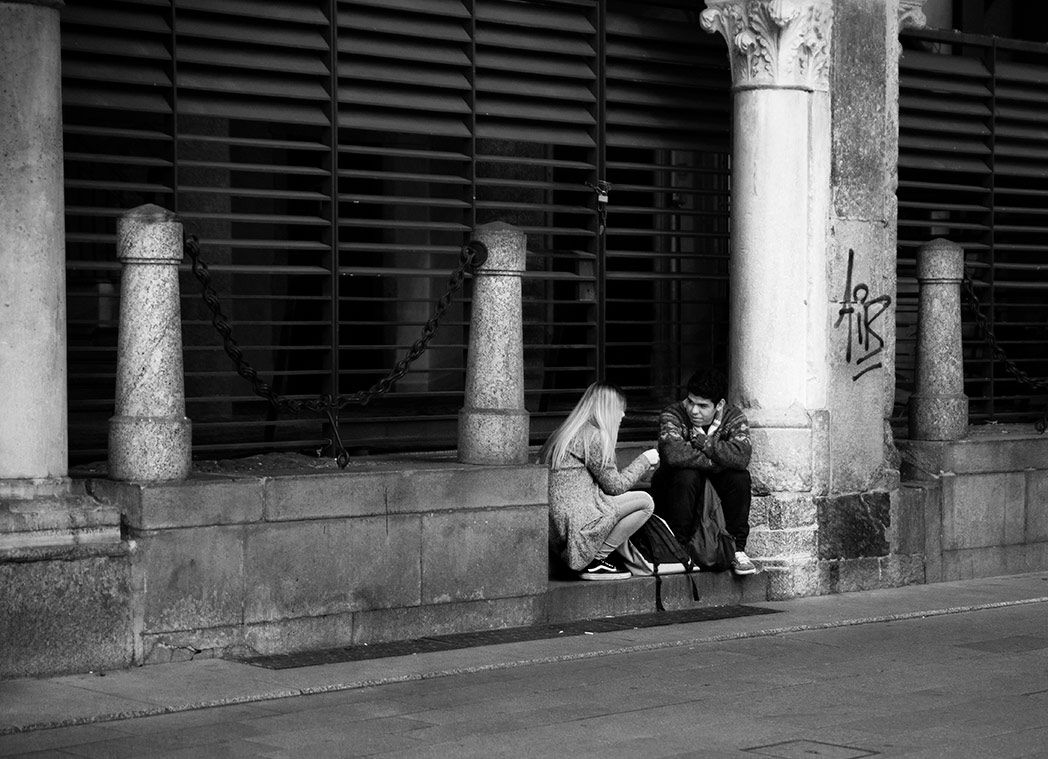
[(774, 43)]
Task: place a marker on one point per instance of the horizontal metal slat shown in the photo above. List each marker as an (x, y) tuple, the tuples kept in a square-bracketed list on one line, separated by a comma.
[(75, 16), (408, 49), (449, 8), (398, 73), (251, 84), (135, 101), (406, 123), (505, 84), (537, 133), (236, 31), (401, 22), (362, 97), (527, 110), (196, 103), (253, 60), (540, 41), (533, 16), (556, 67)]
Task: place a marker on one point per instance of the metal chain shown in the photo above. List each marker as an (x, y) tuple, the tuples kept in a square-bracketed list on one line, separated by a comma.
[(473, 255), (975, 306)]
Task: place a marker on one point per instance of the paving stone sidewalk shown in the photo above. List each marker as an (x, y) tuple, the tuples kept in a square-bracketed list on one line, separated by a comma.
[(951, 669)]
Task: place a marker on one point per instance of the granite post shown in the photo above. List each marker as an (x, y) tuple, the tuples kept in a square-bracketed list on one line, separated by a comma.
[(493, 423), (149, 436), (939, 407)]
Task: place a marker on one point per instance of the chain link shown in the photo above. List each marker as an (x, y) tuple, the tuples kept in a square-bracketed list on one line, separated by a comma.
[(473, 255), (975, 307)]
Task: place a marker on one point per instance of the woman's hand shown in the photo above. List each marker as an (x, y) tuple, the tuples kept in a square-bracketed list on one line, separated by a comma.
[(652, 455)]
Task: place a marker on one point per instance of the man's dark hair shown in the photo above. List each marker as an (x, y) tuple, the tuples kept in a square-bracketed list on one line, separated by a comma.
[(709, 383)]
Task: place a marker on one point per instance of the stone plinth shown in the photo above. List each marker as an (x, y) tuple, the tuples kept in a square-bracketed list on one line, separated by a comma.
[(149, 436), (939, 407), (493, 423)]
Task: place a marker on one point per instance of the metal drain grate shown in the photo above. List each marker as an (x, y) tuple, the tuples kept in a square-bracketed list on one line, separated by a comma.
[(507, 635)]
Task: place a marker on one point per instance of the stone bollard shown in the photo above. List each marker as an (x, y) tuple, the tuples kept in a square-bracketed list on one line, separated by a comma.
[(939, 407), (149, 436), (493, 423)]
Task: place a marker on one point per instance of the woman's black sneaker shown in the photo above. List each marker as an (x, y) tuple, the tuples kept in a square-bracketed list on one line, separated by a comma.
[(602, 569)]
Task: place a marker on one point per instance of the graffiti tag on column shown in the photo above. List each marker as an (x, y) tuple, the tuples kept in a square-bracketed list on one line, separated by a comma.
[(861, 311)]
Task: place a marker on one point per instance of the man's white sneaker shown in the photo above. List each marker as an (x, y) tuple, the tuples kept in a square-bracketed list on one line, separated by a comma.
[(741, 564)]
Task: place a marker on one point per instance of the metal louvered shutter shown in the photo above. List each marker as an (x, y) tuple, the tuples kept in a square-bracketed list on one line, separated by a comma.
[(668, 149), (333, 156), (119, 153), (972, 169)]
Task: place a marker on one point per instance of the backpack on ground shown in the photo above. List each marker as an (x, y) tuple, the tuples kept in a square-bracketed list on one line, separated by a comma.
[(654, 550), (711, 547)]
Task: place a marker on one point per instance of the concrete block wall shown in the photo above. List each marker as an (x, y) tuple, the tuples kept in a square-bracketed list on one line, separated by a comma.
[(983, 499), (283, 562)]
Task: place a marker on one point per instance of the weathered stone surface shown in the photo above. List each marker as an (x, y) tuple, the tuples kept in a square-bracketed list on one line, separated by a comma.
[(782, 460), (34, 439), (381, 625), (907, 526), (197, 502), (1013, 448), (493, 423), (938, 407), (149, 435), (785, 511), (494, 553), (191, 578), (70, 613), (299, 634), (791, 543), (985, 510), (854, 526), (409, 490), (1037, 506), (790, 578), (330, 566), (860, 103)]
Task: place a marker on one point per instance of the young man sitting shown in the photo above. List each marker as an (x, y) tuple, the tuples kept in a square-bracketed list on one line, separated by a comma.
[(700, 438)]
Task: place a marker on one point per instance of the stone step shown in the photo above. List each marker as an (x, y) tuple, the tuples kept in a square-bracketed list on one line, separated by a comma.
[(574, 600)]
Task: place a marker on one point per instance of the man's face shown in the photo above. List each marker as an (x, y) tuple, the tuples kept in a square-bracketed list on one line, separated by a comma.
[(701, 410)]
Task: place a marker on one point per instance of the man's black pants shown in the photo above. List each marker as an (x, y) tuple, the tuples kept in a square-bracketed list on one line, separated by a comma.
[(678, 500)]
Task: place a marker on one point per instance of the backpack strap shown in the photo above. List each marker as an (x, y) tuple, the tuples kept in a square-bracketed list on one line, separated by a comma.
[(695, 595)]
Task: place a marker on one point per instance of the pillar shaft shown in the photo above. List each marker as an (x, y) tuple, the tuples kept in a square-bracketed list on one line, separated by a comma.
[(493, 423), (149, 436), (769, 277), (34, 444), (939, 407), (779, 55)]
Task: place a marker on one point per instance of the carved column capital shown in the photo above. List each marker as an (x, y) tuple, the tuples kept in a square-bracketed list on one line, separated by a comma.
[(774, 43)]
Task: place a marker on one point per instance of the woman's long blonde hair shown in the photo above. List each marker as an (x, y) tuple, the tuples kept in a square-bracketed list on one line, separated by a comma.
[(602, 405)]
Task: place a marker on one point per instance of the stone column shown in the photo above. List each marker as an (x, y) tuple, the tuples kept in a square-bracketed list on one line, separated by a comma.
[(34, 447), (149, 436), (779, 55), (939, 407), (493, 423)]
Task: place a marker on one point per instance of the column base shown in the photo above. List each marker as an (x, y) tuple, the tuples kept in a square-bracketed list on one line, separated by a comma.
[(939, 417), (149, 448), (493, 436)]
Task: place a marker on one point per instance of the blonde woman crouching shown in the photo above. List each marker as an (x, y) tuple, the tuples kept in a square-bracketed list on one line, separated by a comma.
[(591, 507)]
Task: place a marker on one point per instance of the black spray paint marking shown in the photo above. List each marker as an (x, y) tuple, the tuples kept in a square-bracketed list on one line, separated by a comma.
[(861, 311)]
